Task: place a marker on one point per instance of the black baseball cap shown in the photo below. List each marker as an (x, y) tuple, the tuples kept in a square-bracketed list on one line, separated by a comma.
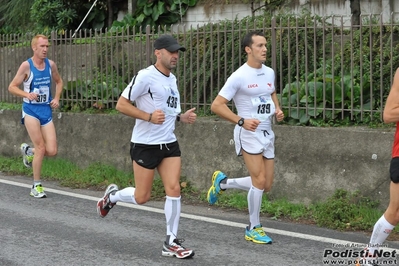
[(169, 43)]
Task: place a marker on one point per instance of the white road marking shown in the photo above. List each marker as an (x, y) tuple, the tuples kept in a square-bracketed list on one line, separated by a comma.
[(333, 241)]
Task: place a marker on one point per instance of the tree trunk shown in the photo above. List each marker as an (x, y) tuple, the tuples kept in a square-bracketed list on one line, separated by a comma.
[(355, 11), (110, 14), (132, 5)]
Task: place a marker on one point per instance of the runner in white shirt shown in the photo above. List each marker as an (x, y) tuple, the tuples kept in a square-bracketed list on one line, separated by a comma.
[(251, 87), (154, 144)]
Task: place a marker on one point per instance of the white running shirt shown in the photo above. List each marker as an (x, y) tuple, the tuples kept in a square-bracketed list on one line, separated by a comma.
[(150, 89), (251, 89)]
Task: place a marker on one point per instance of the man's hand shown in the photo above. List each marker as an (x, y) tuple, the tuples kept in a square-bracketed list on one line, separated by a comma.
[(251, 124), (189, 116), (32, 96), (279, 115), (158, 117), (55, 103)]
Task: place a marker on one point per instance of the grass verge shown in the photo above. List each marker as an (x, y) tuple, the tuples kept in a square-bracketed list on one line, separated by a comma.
[(345, 211)]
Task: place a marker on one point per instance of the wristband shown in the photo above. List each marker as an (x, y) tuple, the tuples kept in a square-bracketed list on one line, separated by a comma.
[(149, 119)]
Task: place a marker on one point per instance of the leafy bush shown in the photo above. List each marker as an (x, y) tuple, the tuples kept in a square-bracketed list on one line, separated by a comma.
[(100, 93), (371, 48), (322, 96), (357, 77)]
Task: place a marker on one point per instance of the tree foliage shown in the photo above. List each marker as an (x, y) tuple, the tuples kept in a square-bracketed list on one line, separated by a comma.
[(63, 15), (14, 16), (21, 16), (155, 13)]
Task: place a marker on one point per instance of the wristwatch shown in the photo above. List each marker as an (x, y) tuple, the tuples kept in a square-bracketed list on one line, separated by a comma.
[(241, 122)]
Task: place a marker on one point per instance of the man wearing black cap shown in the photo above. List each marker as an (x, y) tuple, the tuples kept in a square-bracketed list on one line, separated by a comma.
[(153, 143), (169, 43)]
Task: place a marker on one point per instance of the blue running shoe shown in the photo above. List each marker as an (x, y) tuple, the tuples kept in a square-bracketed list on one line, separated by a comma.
[(257, 235), (215, 189)]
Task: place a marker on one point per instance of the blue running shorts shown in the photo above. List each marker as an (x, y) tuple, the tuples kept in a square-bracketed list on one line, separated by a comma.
[(41, 112)]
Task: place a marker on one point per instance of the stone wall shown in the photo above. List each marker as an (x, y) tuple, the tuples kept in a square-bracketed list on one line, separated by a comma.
[(311, 163)]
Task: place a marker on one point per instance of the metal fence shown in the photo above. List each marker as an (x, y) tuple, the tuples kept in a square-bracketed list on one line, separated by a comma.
[(324, 69)]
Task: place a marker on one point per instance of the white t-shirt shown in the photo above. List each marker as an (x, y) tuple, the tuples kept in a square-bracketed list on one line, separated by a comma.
[(251, 89), (150, 89)]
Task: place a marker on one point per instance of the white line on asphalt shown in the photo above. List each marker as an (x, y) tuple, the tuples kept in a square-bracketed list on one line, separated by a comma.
[(337, 242)]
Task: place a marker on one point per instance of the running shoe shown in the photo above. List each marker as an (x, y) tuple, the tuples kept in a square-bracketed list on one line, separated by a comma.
[(257, 235), (215, 190), (176, 250), (26, 158), (38, 191), (104, 204)]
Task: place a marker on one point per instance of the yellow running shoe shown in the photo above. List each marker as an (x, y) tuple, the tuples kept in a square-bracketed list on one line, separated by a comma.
[(26, 157), (38, 191), (257, 235), (215, 189)]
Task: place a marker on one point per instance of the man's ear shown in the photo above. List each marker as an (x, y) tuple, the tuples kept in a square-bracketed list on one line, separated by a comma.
[(157, 53)]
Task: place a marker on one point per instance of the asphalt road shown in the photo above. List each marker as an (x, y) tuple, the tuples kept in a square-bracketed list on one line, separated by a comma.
[(64, 229)]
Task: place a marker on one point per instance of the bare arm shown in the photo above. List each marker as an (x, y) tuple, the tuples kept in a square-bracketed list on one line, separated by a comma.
[(275, 100), (58, 80), (126, 107), (22, 74), (219, 107), (391, 110), (279, 113)]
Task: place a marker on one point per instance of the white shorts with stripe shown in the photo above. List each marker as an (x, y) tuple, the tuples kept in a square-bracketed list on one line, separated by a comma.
[(258, 142)]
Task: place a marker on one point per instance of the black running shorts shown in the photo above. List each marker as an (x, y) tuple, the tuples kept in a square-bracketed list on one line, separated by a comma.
[(394, 170), (150, 156)]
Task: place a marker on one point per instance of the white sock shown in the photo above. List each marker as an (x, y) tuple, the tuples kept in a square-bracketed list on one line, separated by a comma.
[(243, 183), (124, 195), (254, 202), (172, 210), (381, 231)]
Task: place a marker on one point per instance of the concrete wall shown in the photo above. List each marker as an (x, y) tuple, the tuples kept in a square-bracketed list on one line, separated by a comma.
[(196, 16), (311, 163)]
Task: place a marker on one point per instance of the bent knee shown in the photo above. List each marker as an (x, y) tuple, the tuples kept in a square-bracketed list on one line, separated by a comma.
[(51, 152), (40, 150), (392, 214), (173, 191), (141, 200)]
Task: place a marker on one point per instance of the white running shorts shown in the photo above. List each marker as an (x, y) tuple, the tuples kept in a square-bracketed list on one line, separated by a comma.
[(258, 142)]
